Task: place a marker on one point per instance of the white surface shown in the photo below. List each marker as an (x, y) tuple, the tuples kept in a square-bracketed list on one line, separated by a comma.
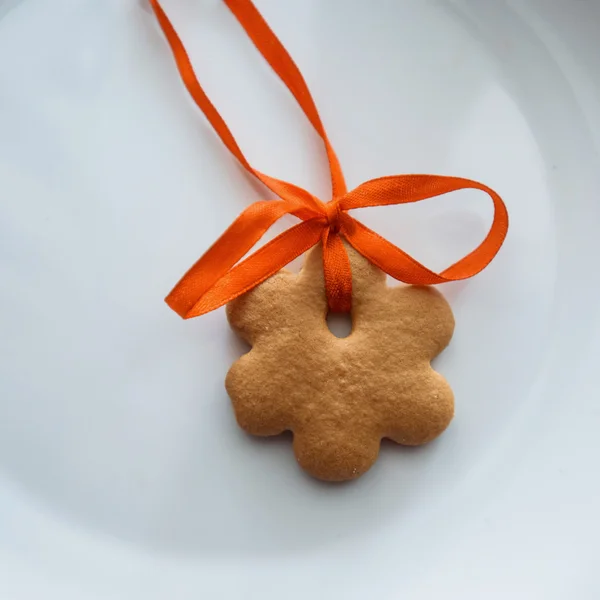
[(122, 473)]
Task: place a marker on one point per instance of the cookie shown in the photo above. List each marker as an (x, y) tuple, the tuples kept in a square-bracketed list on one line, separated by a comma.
[(340, 396)]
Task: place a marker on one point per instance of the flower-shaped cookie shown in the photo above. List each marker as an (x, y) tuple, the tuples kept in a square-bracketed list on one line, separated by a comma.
[(341, 396)]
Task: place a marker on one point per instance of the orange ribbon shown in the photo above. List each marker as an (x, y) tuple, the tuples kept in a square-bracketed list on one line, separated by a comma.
[(218, 277)]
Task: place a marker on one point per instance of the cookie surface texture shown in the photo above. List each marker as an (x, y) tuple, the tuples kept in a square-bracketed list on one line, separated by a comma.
[(340, 396)]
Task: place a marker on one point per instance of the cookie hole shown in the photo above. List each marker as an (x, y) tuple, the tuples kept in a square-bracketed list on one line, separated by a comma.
[(340, 324)]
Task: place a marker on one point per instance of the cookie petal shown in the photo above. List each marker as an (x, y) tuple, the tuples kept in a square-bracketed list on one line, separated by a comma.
[(258, 396), (335, 454), (418, 320), (261, 310), (421, 410)]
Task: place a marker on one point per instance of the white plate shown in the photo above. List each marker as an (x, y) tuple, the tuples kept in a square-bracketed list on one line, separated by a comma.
[(122, 472)]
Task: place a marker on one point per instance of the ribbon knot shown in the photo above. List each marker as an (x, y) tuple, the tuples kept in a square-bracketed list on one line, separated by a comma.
[(333, 213), (219, 277)]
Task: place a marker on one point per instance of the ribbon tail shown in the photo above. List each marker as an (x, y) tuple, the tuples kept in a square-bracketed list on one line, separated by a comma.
[(283, 189), (232, 246), (337, 272), (281, 62), (258, 267)]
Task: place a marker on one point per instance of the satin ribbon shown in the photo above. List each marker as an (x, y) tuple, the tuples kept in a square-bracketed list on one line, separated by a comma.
[(219, 277)]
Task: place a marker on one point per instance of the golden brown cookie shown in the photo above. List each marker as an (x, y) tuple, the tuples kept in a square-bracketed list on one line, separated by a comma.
[(340, 397)]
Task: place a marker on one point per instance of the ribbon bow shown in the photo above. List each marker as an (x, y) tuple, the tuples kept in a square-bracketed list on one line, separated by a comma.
[(218, 277)]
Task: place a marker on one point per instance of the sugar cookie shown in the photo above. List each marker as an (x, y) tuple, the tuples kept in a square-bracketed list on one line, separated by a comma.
[(340, 397)]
